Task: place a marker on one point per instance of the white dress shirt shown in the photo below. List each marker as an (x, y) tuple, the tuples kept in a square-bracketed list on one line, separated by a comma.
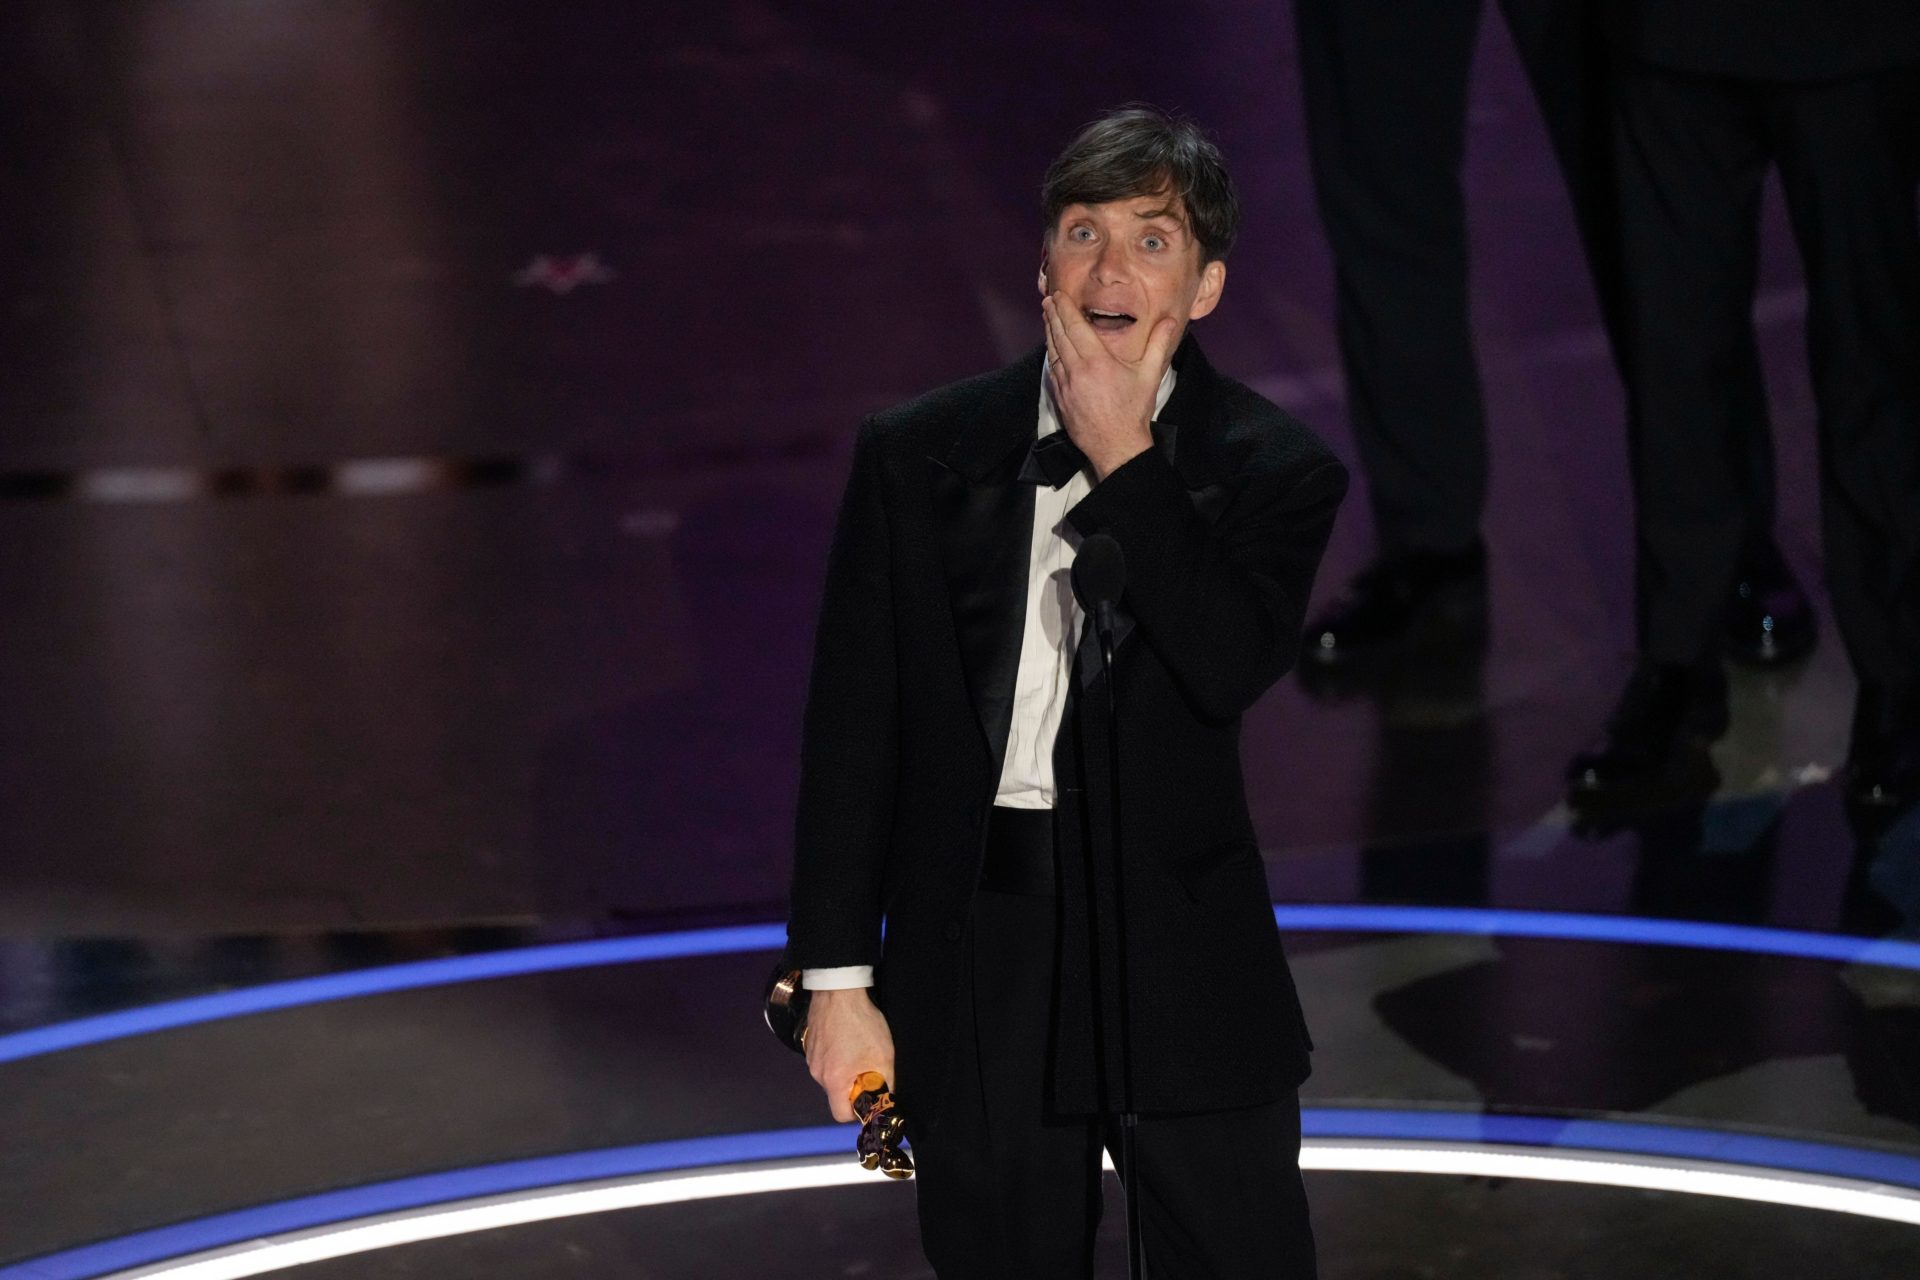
[(1046, 655)]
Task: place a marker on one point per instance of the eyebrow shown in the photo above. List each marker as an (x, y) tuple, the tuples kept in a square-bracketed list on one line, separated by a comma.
[(1166, 213)]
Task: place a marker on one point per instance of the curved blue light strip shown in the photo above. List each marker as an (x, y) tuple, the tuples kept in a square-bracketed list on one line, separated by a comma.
[(693, 1154), (1566, 926), (388, 978), (1570, 926)]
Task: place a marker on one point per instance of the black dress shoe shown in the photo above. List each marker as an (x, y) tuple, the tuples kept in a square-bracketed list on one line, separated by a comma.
[(1417, 600), (1769, 621), (1883, 751), (1656, 740)]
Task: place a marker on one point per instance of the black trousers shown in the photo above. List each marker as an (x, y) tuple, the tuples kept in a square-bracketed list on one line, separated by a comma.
[(1386, 91), (1007, 1191), (1692, 153)]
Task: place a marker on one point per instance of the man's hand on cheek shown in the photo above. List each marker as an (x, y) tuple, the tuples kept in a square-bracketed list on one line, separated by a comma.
[(1105, 402)]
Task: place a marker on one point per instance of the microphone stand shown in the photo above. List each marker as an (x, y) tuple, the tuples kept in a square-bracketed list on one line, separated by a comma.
[(1129, 1119)]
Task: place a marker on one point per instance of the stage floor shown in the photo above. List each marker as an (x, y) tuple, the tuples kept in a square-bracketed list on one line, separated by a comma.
[(1476, 1026)]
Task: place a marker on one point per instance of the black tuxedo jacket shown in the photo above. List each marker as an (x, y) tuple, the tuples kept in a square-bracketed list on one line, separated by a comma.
[(1223, 525)]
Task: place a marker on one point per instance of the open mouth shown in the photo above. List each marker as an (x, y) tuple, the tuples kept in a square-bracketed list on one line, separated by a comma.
[(1108, 321)]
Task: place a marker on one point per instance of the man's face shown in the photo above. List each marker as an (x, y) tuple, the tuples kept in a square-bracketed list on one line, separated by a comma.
[(1126, 264)]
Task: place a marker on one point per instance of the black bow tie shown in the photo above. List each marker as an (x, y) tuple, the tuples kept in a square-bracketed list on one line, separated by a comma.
[(1053, 459)]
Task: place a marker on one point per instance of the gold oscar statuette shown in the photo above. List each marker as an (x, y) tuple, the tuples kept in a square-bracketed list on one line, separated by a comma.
[(881, 1127)]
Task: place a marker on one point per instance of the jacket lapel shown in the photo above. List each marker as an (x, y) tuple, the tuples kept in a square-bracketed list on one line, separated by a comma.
[(985, 517), (1190, 450), (1188, 432)]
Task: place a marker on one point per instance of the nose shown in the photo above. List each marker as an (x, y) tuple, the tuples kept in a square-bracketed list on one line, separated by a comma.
[(1110, 267)]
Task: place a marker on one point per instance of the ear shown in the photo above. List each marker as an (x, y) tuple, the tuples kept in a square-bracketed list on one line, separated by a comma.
[(1044, 291), (1213, 278)]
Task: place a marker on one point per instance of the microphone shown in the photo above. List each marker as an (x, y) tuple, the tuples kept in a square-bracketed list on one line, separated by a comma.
[(1099, 576)]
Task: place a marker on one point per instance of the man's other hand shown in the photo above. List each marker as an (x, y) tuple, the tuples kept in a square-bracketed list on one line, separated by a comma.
[(846, 1034)]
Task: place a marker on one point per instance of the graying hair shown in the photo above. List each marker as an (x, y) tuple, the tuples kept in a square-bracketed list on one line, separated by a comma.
[(1140, 150)]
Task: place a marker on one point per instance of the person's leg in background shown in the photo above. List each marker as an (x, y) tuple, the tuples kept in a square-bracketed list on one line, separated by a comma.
[(1565, 54), (1564, 47), (1690, 158), (1386, 99), (1846, 152)]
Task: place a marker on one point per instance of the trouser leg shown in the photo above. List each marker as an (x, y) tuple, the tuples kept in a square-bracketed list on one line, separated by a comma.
[(1386, 97), (1564, 50), (1005, 1190), (1566, 53), (1690, 155), (1845, 152), (1009, 1191), (1220, 1193)]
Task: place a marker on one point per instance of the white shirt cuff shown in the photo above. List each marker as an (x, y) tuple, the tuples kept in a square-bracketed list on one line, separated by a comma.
[(851, 975)]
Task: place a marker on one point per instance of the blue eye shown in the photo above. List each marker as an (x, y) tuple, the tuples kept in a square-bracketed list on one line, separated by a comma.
[(1155, 243), (1083, 232)]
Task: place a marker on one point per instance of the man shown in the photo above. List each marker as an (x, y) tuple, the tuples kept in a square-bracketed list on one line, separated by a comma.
[(1711, 93), (954, 773), (1386, 94)]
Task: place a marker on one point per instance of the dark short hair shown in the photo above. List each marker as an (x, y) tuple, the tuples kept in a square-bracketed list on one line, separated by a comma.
[(1139, 150)]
